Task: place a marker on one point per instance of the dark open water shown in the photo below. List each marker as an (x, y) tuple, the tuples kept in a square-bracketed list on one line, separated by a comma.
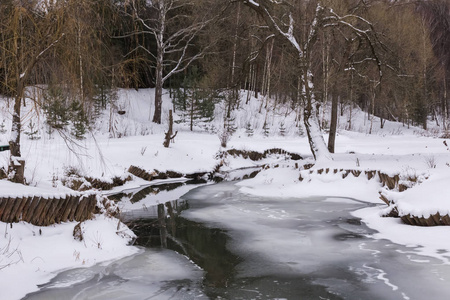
[(216, 243)]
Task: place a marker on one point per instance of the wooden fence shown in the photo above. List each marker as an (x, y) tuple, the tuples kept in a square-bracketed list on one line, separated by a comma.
[(43, 211)]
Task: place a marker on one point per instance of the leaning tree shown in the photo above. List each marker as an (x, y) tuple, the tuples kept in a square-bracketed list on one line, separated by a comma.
[(288, 19)]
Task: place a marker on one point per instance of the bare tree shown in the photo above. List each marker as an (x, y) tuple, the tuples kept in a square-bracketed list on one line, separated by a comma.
[(175, 49), (284, 19), (437, 16), (48, 42), (33, 30)]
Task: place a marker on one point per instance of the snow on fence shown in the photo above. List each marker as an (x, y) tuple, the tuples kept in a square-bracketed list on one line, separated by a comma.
[(155, 174), (432, 220), (141, 173), (391, 182), (42, 211)]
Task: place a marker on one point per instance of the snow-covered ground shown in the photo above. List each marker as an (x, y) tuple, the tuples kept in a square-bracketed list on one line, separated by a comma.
[(32, 255)]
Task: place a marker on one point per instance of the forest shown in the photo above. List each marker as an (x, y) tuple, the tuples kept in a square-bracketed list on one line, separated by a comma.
[(232, 149), (389, 58)]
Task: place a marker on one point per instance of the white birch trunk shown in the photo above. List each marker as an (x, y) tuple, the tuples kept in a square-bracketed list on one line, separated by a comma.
[(159, 81), (315, 137), (233, 66), (80, 61), (316, 140)]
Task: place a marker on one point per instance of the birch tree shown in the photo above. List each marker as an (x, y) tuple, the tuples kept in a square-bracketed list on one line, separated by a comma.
[(175, 49), (282, 17)]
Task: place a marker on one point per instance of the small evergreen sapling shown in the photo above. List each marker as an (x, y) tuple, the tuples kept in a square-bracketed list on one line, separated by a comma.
[(249, 129), (228, 129), (194, 103), (56, 109), (33, 131), (79, 120), (266, 129), (2, 127), (229, 125), (282, 129), (301, 131)]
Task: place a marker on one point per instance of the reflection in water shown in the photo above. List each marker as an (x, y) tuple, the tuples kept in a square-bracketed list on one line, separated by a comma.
[(216, 243), (205, 246), (208, 248), (142, 193)]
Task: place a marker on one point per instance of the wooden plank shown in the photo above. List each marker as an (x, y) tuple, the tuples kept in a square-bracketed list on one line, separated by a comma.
[(59, 210), (91, 207), (25, 208), (3, 202), (66, 209), (28, 215), (80, 209), (43, 218), (73, 207), (7, 211), (16, 212), (36, 213), (51, 214)]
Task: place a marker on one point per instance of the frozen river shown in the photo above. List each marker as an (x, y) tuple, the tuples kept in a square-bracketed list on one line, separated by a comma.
[(217, 243)]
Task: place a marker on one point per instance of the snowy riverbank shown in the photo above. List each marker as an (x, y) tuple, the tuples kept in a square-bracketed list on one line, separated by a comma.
[(32, 255)]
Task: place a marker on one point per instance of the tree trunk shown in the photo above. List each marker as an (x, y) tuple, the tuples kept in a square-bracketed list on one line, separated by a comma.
[(315, 137), (333, 124), (80, 61), (16, 167), (326, 79), (191, 127), (158, 103), (169, 136), (299, 101), (351, 102), (159, 63), (256, 80), (372, 110), (250, 84), (158, 91), (269, 74), (444, 115), (316, 142), (424, 121), (14, 142), (16, 164), (233, 65)]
